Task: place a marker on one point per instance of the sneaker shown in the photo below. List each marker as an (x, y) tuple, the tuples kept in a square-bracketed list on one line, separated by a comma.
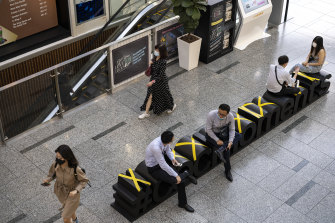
[(170, 111), (144, 115)]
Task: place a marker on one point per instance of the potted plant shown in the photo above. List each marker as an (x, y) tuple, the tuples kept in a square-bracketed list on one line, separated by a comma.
[(189, 44)]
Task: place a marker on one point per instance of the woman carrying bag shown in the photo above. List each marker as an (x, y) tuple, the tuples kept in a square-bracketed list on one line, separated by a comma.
[(70, 180), (159, 98)]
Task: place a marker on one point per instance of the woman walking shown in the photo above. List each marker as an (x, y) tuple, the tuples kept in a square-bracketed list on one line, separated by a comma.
[(159, 98), (70, 180)]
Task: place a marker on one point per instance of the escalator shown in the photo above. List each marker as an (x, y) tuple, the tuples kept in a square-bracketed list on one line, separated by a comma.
[(92, 79)]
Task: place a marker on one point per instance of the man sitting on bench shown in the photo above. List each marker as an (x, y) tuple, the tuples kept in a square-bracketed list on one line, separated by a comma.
[(280, 82), (220, 133), (160, 170)]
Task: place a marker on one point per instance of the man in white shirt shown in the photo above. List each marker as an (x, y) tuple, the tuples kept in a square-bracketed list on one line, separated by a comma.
[(280, 82), (160, 170)]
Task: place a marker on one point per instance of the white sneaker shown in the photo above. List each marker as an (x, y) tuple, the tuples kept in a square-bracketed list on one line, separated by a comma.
[(144, 115), (170, 111)]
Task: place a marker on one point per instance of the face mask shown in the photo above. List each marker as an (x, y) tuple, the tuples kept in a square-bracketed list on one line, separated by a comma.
[(59, 161), (220, 117), (314, 44), (156, 53)]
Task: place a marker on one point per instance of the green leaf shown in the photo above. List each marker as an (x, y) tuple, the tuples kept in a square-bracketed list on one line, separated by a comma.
[(196, 14), (176, 3), (204, 3), (201, 7), (187, 3), (190, 11)]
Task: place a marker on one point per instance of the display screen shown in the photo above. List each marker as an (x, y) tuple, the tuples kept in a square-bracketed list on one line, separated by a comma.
[(130, 59), (89, 9), (251, 5), (168, 36), (22, 18)]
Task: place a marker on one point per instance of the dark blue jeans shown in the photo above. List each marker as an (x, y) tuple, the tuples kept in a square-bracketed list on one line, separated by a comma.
[(223, 148)]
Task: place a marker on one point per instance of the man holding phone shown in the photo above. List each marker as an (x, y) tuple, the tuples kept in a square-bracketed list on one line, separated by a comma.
[(220, 133), (160, 170)]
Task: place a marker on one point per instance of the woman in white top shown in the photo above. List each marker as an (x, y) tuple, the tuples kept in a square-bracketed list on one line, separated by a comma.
[(315, 58)]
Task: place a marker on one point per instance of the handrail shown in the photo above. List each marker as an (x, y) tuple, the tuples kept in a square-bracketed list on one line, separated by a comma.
[(85, 54)]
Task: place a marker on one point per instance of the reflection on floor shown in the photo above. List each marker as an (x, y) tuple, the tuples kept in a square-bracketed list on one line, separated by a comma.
[(285, 176)]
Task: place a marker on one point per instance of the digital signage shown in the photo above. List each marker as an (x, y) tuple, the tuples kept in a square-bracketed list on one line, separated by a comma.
[(251, 5), (88, 9), (22, 18)]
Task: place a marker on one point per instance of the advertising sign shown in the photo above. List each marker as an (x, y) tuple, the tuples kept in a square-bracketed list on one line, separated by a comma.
[(130, 59), (251, 5), (22, 18), (168, 36), (88, 9)]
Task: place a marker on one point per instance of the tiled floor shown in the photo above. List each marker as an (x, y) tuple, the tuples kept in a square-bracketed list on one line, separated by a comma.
[(281, 177)]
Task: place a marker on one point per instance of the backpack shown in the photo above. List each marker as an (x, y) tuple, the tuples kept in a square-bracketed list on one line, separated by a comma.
[(75, 174)]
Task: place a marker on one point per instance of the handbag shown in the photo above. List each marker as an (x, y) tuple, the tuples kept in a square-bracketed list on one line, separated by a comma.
[(224, 133), (148, 71)]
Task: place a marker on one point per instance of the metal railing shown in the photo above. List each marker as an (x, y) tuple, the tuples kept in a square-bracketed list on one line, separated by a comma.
[(51, 88)]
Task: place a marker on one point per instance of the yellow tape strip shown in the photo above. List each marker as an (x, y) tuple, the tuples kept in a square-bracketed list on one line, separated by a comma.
[(174, 155), (217, 22), (134, 179), (249, 111), (239, 122), (308, 77), (193, 143)]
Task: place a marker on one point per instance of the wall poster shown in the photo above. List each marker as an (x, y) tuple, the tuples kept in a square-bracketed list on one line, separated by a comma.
[(130, 59)]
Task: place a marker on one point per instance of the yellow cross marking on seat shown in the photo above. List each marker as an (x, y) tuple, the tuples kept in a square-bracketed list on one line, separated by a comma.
[(239, 122), (193, 143), (249, 111), (308, 77), (174, 155), (134, 179)]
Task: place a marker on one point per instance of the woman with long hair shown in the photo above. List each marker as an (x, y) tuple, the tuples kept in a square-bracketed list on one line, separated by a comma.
[(315, 58), (70, 180), (159, 98)]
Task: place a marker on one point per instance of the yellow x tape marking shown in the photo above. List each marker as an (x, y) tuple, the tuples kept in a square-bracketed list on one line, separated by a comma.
[(239, 122), (308, 77), (134, 179), (249, 111), (174, 155), (193, 143)]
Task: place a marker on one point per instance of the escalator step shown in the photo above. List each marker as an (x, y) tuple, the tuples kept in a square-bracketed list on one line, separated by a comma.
[(91, 91), (100, 80), (81, 100)]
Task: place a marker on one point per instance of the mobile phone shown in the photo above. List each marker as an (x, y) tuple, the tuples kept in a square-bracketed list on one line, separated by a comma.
[(45, 184)]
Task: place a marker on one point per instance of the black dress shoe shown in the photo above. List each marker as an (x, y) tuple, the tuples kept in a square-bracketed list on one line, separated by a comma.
[(220, 155), (229, 176), (187, 207)]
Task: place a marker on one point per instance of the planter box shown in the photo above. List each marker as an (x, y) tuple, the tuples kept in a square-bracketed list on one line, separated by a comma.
[(188, 53)]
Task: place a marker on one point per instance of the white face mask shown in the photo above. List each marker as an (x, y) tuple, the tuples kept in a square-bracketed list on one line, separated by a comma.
[(314, 44), (156, 53)]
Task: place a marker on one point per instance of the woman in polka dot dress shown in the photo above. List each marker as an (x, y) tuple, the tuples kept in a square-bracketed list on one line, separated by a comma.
[(159, 98)]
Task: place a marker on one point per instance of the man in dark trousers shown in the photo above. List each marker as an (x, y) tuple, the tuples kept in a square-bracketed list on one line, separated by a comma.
[(160, 170), (220, 133)]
